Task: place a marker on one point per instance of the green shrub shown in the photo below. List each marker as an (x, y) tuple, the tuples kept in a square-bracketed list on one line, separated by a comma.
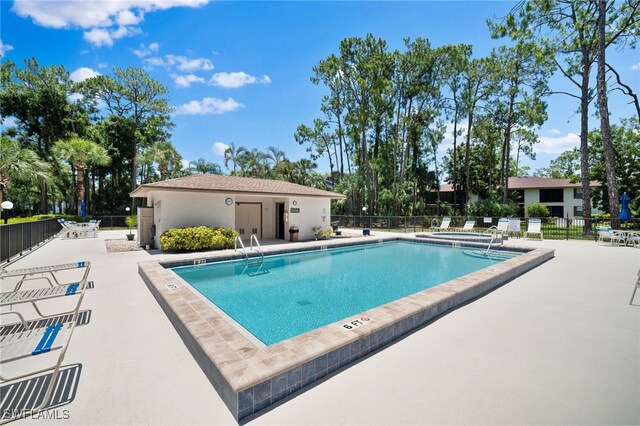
[(537, 210), (320, 234), (131, 221), (197, 238)]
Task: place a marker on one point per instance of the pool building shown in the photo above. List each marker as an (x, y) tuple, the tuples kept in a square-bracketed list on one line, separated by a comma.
[(264, 207)]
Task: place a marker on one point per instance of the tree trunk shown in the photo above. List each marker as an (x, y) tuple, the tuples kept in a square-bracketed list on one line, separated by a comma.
[(467, 161), (605, 129), (584, 144), (455, 155), (79, 188)]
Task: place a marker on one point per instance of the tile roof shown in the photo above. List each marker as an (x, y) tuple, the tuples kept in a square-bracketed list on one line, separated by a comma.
[(232, 184), (526, 182)]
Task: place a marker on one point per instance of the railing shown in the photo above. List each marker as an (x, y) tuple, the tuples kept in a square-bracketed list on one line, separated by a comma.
[(553, 228), (16, 238)]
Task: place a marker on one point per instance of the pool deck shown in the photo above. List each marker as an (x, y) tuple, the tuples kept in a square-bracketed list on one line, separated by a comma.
[(557, 345)]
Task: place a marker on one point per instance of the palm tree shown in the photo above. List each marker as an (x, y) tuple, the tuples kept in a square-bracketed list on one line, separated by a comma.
[(275, 156), (20, 165), (80, 153), (202, 166), (253, 163), (233, 154)]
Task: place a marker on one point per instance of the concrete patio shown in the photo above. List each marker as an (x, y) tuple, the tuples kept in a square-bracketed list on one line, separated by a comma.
[(558, 345)]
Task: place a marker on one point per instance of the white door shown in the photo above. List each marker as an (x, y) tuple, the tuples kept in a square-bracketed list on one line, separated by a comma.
[(248, 220)]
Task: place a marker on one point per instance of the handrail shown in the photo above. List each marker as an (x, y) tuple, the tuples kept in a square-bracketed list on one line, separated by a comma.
[(235, 246), (254, 238)]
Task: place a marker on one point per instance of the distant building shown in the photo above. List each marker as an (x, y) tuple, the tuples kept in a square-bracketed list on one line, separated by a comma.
[(559, 195)]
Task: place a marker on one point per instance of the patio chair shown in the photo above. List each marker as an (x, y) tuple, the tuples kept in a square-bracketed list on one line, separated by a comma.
[(13, 298), (618, 238), (604, 235), (444, 225), (634, 239), (47, 273), (514, 227), (468, 226), (30, 350), (635, 289), (534, 227)]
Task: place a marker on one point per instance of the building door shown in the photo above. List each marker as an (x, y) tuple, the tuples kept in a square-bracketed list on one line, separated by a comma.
[(249, 220), (280, 221)]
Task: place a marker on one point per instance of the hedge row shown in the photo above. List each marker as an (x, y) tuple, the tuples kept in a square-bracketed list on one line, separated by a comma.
[(197, 238)]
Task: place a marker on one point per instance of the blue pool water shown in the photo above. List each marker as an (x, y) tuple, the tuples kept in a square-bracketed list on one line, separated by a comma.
[(304, 291)]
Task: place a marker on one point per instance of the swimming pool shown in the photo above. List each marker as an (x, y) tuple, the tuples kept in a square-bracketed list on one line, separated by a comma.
[(305, 291), (250, 376)]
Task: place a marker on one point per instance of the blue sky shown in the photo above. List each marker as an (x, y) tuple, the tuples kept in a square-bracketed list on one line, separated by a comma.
[(239, 71)]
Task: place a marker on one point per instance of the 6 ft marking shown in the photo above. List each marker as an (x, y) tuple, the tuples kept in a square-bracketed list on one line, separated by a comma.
[(356, 323)]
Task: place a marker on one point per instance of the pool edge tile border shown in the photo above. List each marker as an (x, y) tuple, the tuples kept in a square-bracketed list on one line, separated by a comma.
[(250, 378)]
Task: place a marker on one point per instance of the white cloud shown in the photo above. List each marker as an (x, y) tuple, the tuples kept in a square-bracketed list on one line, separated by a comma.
[(208, 106), (186, 80), (185, 163), (98, 37), (4, 48), (93, 13), (557, 145), (102, 65), (182, 63), (145, 51), (127, 17), (104, 37), (82, 74), (105, 21), (554, 131), (447, 142), (234, 80), (635, 66), (219, 148)]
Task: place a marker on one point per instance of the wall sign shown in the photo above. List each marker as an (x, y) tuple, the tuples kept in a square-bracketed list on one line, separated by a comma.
[(295, 209)]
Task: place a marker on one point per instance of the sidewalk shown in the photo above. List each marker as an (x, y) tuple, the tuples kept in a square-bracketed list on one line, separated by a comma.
[(557, 345)]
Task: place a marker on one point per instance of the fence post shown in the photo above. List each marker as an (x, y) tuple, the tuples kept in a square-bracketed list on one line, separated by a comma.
[(567, 226)]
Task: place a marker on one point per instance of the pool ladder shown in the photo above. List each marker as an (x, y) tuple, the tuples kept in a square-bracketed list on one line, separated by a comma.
[(254, 261)]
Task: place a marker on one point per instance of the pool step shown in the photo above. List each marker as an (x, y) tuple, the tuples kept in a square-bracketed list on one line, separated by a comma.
[(492, 254)]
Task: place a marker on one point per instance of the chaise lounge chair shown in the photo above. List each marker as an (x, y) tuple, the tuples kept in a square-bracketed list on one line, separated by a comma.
[(468, 226), (30, 345), (444, 225), (46, 273), (534, 227)]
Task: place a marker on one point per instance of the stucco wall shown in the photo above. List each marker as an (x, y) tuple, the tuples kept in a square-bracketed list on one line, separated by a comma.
[(311, 214), (176, 209), (181, 209)]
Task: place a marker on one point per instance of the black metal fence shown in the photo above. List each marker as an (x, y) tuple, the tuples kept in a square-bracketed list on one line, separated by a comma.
[(110, 222), (17, 238), (552, 228)]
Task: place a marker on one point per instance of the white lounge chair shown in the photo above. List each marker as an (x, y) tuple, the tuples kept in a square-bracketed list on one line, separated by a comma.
[(468, 226), (534, 227), (444, 225), (72, 229), (21, 348), (47, 273), (634, 239), (635, 289), (514, 226)]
